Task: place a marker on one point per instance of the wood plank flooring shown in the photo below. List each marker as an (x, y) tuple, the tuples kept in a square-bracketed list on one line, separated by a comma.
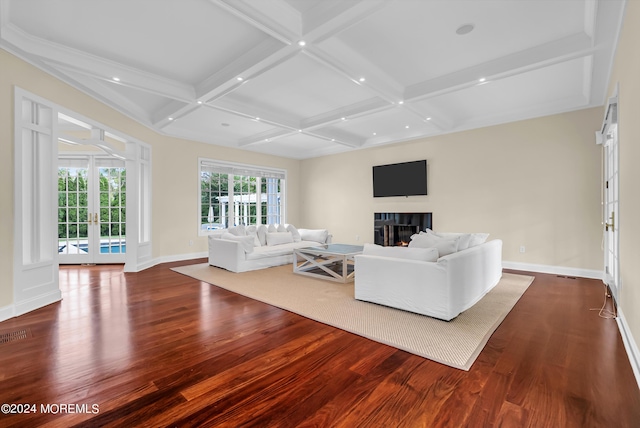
[(157, 348)]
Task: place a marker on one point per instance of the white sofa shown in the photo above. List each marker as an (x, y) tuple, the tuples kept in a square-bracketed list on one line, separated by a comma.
[(441, 289), (242, 249)]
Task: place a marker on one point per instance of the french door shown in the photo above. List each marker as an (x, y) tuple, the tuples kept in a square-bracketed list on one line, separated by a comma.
[(611, 199), (91, 209)]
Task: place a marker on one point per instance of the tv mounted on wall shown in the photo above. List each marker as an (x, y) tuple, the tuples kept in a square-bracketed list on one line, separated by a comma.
[(400, 179)]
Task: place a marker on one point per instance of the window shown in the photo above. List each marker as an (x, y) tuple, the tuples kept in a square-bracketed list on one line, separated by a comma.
[(234, 194)]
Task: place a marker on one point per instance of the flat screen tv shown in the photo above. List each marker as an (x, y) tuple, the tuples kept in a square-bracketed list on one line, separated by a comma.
[(400, 179)]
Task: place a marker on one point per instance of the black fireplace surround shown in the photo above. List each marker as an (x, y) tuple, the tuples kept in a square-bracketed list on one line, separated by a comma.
[(395, 229)]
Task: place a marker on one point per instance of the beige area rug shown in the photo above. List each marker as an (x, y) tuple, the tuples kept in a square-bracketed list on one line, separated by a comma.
[(456, 343)]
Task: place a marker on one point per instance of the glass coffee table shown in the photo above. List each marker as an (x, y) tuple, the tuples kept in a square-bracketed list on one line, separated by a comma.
[(334, 262)]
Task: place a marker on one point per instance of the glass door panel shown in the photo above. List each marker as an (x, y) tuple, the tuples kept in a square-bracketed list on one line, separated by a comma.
[(112, 209), (73, 210), (91, 210)]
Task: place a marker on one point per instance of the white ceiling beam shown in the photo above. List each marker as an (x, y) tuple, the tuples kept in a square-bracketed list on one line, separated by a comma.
[(276, 18), (102, 91), (433, 116), (266, 137), (372, 105), (327, 19), (252, 112), (378, 87), (545, 55), (96, 67), (338, 136), (609, 15), (262, 58)]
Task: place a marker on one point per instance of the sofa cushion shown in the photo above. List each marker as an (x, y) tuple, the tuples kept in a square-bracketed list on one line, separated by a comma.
[(272, 228), (467, 240), (429, 240), (421, 254), (253, 231), (237, 230), (245, 241), (478, 238), (464, 238), (294, 232), (316, 235), (261, 231), (279, 238)]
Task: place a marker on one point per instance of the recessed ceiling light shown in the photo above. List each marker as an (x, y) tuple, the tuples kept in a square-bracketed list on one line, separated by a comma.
[(333, 139), (406, 126), (465, 29), (482, 80), (344, 118), (299, 130), (116, 79), (428, 118), (258, 119), (199, 102), (267, 140), (375, 133), (362, 79), (239, 79), (400, 102), (302, 43)]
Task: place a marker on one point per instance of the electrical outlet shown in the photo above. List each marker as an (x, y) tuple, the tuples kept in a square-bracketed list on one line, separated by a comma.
[(190, 242), (522, 249), (357, 237)]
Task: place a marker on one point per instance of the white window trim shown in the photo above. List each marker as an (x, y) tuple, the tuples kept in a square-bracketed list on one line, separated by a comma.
[(245, 170)]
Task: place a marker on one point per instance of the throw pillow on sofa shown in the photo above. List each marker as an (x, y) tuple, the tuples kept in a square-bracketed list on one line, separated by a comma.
[(245, 241), (470, 239), (279, 238), (421, 254), (315, 235), (261, 231), (463, 241), (276, 228), (478, 238), (294, 232), (237, 230), (253, 231), (444, 246)]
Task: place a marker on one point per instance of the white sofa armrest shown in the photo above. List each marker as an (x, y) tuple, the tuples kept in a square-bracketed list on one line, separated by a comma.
[(225, 253), (472, 273), (401, 283)]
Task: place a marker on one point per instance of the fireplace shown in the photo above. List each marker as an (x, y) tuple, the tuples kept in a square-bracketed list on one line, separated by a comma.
[(395, 229)]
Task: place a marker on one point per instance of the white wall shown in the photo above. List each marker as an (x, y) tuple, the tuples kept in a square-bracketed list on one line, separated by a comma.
[(534, 183)]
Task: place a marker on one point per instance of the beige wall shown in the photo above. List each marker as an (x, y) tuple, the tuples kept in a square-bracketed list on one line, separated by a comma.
[(175, 167), (626, 73), (534, 183)]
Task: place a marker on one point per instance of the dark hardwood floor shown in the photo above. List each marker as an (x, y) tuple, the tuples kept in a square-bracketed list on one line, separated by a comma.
[(157, 348)]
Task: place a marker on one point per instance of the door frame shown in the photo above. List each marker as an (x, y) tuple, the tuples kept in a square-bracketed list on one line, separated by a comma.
[(608, 137), (35, 244)]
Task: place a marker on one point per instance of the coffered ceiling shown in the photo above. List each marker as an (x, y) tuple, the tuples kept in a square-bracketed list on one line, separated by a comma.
[(306, 78)]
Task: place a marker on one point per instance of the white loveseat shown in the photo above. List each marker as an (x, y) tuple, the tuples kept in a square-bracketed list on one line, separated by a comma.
[(241, 249), (441, 288)]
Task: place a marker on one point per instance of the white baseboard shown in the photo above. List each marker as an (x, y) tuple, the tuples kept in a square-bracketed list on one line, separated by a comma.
[(630, 345), (557, 270), (6, 312), (37, 302), (166, 259), (14, 310)]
